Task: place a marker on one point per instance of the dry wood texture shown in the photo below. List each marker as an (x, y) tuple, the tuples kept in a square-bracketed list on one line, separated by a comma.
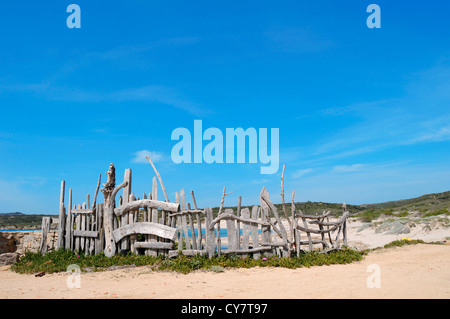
[(115, 226)]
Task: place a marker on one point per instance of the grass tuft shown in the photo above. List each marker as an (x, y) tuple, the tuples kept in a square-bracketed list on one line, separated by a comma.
[(58, 261)]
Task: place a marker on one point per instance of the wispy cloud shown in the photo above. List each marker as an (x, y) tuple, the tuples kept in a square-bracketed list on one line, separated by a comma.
[(348, 168), (149, 93), (296, 40), (125, 51), (301, 172), (140, 157), (442, 134), (259, 181)]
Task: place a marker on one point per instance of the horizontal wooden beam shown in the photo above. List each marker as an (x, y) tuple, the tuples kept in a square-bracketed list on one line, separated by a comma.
[(339, 222), (154, 245), (189, 211), (82, 211), (146, 228), (317, 231), (232, 216), (146, 203), (246, 251), (300, 215), (85, 233)]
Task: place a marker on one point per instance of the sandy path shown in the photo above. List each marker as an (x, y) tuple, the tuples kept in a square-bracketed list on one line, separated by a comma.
[(419, 271)]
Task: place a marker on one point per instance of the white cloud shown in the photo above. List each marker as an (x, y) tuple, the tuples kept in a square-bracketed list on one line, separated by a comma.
[(301, 172), (140, 156), (348, 168), (443, 134), (259, 181)]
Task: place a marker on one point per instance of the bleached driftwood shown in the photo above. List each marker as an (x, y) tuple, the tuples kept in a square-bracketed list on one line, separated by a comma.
[(148, 228), (45, 229), (145, 203), (62, 210)]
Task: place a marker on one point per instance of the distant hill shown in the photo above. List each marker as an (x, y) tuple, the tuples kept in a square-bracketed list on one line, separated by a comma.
[(425, 205), (430, 204), (21, 221)]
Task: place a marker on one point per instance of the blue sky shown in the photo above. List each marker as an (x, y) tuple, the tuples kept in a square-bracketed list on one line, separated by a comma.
[(363, 113)]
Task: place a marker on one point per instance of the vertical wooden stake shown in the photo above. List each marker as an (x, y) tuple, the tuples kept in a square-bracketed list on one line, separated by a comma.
[(60, 242), (45, 230), (69, 230)]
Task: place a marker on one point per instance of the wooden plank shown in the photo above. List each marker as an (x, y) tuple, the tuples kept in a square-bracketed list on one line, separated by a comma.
[(199, 231), (231, 231), (266, 199), (238, 224), (232, 216), (187, 211), (248, 251), (344, 232), (184, 221), (82, 211), (99, 227), (199, 223), (45, 229), (88, 225), (149, 203), (78, 227), (265, 230), (246, 229), (300, 215), (132, 239), (146, 218), (144, 196), (62, 215), (109, 192), (210, 236), (282, 233), (83, 227), (191, 225), (72, 227), (126, 192), (317, 231), (254, 231), (69, 230), (176, 222), (154, 219), (148, 228), (86, 233), (154, 245)]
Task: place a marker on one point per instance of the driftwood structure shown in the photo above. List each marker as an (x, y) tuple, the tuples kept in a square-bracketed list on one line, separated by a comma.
[(159, 227)]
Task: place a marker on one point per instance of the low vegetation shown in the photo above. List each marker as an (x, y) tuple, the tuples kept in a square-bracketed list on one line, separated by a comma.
[(58, 261)]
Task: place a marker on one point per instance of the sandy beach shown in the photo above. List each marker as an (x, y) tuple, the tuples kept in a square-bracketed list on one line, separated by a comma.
[(416, 271), (419, 271)]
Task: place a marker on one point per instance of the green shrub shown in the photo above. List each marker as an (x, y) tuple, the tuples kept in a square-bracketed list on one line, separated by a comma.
[(58, 261), (437, 212)]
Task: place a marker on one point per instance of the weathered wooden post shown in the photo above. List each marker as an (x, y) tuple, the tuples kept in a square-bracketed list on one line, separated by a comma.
[(109, 192), (125, 200), (68, 239), (46, 221), (210, 237), (60, 242)]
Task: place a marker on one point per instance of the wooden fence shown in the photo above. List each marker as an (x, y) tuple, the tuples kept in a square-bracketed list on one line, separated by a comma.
[(153, 227)]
